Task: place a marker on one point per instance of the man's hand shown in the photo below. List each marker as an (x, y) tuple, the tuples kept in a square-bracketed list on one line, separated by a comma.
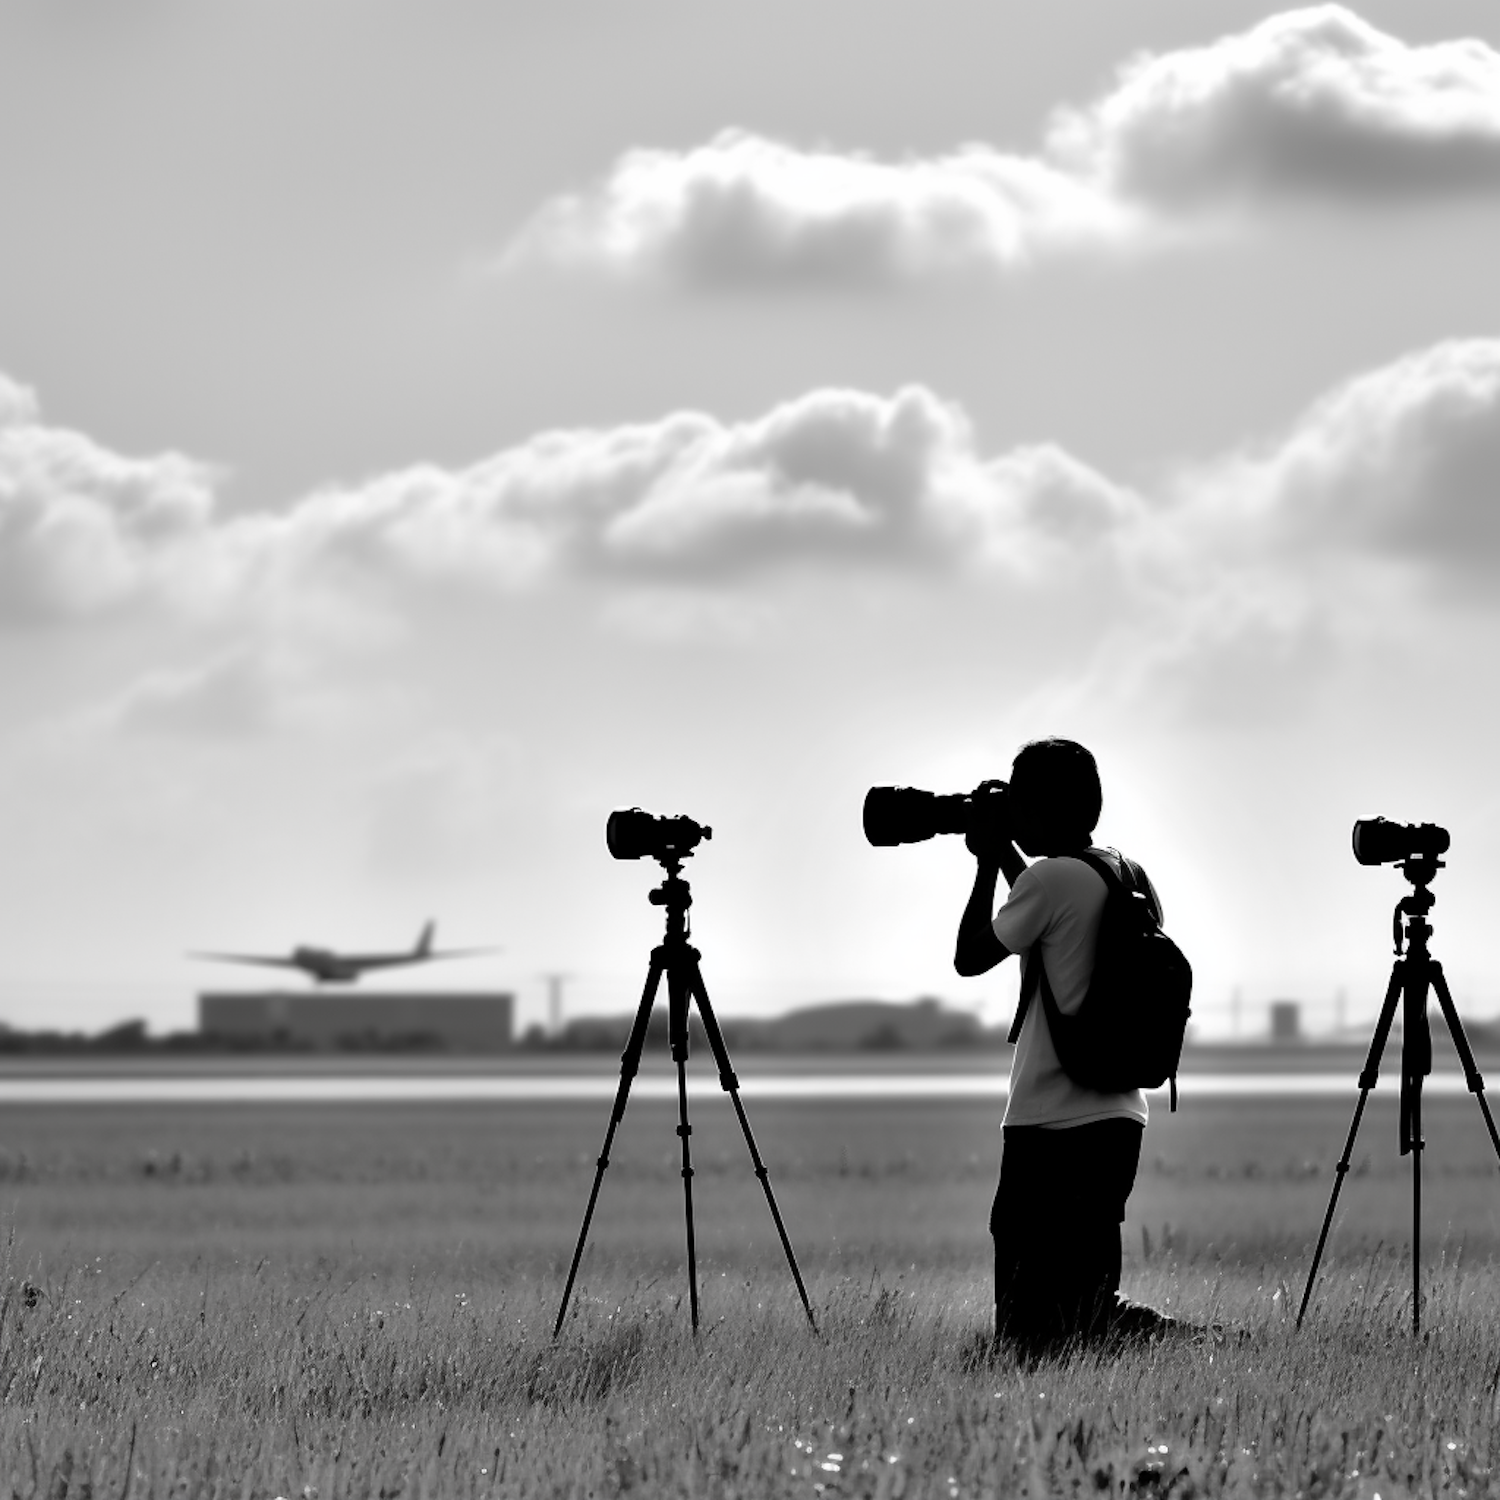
[(991, 842), (988, 841), (990, 833), (978, 950)]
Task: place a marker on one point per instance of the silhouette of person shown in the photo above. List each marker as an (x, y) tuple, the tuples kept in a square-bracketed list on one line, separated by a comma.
[(1069, 1153)]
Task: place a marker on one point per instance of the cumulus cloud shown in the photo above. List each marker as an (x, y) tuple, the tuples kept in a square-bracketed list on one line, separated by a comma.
[(1394, 468), (836, 479), (1310, 103), (1400, 462), (82, 528), (1361, 544), (837, 475), (743, 210)]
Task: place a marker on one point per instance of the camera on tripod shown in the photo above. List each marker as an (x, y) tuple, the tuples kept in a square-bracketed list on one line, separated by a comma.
[(1415, 975), (907, 815), (634, 834), (1378, 841)]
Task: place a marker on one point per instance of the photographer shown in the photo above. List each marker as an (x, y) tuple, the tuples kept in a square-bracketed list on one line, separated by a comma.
[(1069, 1153)]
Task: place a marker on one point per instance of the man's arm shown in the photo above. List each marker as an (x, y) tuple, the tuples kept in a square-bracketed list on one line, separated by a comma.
[(978, 950)]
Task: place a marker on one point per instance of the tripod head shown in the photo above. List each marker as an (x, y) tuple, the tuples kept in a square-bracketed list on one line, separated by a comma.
[(1409, 919), (675, 894)]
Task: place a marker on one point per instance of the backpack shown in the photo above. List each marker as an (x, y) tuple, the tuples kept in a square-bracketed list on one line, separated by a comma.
[(1128, 1032)]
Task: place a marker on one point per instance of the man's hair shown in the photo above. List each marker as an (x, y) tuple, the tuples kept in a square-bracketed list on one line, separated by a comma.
[(1063, 780)]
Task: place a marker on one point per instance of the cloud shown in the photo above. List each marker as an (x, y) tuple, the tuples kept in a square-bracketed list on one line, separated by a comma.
[(81, 528), (1313, 103), (745, 211), (1398, 463), (834, 479), (1358, 548), (1394, 470)]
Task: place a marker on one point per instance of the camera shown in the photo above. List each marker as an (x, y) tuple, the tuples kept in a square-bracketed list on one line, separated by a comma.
[(1378, 841), (634, 834), (907, 815)]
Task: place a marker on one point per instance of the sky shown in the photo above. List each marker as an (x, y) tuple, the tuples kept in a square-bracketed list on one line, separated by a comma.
[(427, 427)]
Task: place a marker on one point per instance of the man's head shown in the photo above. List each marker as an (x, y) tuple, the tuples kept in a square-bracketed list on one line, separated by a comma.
[(1055, 797)]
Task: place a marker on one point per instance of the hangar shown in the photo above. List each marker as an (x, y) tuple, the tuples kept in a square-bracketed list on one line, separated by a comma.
[(458, 1021)]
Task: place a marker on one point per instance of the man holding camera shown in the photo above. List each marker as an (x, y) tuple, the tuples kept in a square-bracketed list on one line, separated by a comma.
[(1070, 1153)]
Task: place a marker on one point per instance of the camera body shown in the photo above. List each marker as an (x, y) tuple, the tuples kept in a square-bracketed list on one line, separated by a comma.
[(634, 834), (907, 815), (1378, 841)]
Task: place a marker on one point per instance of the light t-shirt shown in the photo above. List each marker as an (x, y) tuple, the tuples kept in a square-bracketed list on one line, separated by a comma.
[(1058, 902)]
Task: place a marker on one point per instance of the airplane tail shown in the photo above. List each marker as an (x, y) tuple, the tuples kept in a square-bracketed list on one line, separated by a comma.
[(424, 942)]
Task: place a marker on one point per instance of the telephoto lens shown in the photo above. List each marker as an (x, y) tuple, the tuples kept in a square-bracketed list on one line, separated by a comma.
[(1378, 841), (907, 815), (634, 834)]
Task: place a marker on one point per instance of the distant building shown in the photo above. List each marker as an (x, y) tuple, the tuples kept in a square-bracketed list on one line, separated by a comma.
[(456, 1021), (1286, 1021), (870, 1025), (836, 1026)]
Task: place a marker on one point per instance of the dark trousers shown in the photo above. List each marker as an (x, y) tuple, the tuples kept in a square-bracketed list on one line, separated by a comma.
[(1056, 1223)]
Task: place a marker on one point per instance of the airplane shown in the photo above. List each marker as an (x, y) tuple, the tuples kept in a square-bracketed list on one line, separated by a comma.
[(328, 967)]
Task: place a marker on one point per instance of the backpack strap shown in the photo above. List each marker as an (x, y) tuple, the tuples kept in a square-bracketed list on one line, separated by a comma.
[(1131, 878), (1035, 977), (1126, 879), (1103, 868), (1033, 983), (1030, 983)]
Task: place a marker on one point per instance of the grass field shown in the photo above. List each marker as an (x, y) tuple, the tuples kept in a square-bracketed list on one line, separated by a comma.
[(346, 1300)]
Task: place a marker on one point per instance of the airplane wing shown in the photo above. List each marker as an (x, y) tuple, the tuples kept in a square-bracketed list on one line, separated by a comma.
[(263, 960), (395, 960)]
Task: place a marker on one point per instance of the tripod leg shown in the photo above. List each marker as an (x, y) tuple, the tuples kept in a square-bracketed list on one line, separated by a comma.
[(1472, 1075), (1367, 1079), (630, 1060), (1416, 1209), (679, 992), (1416, 1051), (731, 1086), (1416, 1064)]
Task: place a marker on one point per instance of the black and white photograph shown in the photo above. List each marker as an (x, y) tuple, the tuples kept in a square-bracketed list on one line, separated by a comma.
[(748, 751)]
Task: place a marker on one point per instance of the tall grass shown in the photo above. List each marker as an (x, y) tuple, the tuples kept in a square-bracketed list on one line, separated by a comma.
[(329, 1302), (323, 1384)]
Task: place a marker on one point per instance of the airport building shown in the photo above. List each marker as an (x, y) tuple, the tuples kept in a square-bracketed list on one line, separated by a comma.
[(1286, 1022), (457, 1021)]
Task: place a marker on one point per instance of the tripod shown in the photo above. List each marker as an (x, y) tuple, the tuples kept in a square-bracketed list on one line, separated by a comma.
[(1412, 974), (678, 960)]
